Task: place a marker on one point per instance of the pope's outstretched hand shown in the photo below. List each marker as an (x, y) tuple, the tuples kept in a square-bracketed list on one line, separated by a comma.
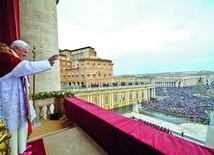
[(53, 58)]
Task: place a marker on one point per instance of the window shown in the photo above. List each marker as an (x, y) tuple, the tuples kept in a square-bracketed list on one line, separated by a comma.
[(122, 97), (95, 102), (106, 100), (115, 99), (93, 65), (88, 76), (88, 65)]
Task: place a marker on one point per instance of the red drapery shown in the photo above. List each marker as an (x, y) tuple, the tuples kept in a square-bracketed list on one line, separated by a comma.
[(119, 135), (9, 21)]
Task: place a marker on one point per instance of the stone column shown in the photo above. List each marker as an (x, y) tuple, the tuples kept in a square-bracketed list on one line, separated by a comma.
[(91, 98), (88, 97), (111, 100), (127, 97), (102, 103), (119, 98), (148, 93), (38, 24), (154, 93), (100, 100), (145, 94)]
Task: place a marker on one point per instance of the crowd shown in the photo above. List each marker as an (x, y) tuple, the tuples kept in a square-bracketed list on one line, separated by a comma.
[(153, 125), (110, 84), (115, 84), (184, 102)]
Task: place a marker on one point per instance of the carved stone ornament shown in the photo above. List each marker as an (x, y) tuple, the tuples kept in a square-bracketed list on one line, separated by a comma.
[(4, 139)]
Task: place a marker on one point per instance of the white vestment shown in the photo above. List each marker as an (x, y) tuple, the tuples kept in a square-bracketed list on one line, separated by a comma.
[(13, 106)]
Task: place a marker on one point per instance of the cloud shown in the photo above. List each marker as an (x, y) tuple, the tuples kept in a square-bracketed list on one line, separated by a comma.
[(173, 34)]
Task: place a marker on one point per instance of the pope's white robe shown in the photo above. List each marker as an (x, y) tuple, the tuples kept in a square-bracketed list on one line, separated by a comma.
[(13, 106)]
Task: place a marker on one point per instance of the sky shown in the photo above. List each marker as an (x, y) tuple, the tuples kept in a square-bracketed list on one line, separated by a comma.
[(141, 36)]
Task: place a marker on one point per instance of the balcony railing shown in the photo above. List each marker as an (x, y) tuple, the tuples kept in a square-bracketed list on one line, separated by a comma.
[(45, 107)]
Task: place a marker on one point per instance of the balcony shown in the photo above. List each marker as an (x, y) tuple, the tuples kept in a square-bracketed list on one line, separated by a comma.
[(61, 136), (56, 134)]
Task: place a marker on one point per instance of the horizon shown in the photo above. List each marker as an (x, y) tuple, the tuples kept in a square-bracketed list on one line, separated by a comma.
[(178, 72)]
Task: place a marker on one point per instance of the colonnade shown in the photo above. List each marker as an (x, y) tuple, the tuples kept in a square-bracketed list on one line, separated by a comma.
[(168, 83), (116, 97)]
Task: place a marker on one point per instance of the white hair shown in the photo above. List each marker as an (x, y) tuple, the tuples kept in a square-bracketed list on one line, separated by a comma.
[(20, 44)]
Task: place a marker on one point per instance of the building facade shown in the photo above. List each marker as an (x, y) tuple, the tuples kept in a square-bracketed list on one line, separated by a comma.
[(81, 67), (117, 96)]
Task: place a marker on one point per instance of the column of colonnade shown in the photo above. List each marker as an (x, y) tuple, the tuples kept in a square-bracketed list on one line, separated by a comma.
[(166, 83), (111, 100), (99, 100), (140, 93), (102, 100), (120, 98), (134, 96), (145, 94), (127, 97), (90, 99), (148, 93), (151, 92)]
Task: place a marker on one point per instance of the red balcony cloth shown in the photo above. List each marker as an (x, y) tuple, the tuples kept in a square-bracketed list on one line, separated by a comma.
[(121, 135)]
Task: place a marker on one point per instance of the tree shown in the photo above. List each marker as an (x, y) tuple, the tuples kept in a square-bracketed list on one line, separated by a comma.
[(200, 86)]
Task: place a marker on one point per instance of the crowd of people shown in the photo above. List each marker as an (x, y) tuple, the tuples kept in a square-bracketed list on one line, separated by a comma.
[(110, 84), (153, 125), (184, 102)]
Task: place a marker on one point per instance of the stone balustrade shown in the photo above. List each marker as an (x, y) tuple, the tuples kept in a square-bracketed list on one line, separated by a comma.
[(47, 106)]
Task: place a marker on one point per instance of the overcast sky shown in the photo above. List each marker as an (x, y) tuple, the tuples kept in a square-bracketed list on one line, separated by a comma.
[(141, 36)]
